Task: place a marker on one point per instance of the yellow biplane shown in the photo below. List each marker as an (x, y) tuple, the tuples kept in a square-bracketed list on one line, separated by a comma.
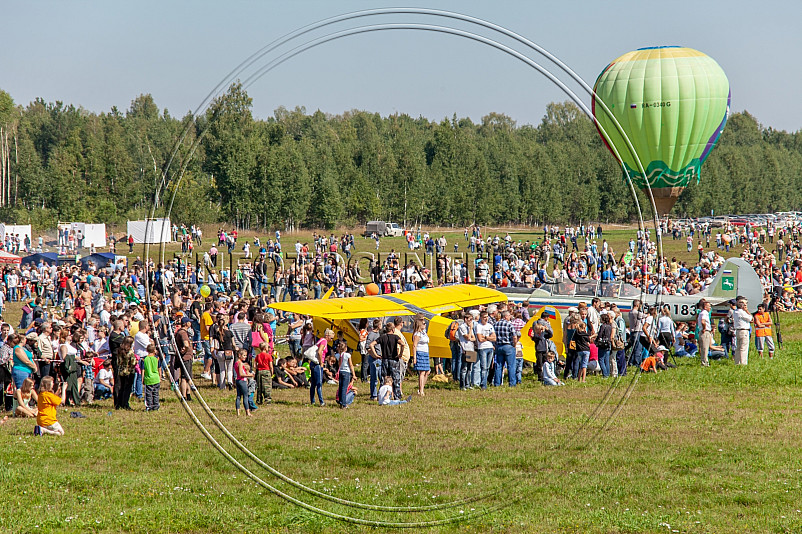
[(344, 314)]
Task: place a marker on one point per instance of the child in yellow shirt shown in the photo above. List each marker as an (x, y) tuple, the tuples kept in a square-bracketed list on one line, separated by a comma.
[(46, 422)]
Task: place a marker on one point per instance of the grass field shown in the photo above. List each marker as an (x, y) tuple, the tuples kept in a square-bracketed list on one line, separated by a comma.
[(617, 237), (701, 450), (691, 450)]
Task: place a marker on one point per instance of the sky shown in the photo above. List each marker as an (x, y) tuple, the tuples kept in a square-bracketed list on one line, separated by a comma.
[(97, 54)]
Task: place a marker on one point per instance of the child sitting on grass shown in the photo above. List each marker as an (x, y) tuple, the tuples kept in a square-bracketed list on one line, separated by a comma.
[(24, 395), (550, 377), (386, 394), (297, 374), (282, 379), (46, 422), (330, 370)]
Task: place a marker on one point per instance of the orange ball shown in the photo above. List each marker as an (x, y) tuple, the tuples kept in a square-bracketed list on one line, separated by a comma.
[(372, 289)]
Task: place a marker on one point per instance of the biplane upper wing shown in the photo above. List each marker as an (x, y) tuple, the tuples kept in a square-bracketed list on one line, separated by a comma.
[(451, 298), (427, 301), (347, 308)]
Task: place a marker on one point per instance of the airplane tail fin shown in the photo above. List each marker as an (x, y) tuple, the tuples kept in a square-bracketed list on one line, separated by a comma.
[(737, 278)]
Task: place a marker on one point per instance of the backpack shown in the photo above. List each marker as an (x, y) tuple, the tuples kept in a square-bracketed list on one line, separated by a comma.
[(723, 327), (451, 331)]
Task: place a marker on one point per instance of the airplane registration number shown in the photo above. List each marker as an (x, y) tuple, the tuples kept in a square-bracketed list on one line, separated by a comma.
[(684, 309)]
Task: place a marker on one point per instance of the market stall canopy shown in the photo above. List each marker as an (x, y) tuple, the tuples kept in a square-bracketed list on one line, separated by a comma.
[(51, 258), (100, 260), (9, 258)]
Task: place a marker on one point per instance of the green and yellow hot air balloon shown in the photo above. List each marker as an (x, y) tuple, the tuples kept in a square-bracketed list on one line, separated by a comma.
[(673, 103)]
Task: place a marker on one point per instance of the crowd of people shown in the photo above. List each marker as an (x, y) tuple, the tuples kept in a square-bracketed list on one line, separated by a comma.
[(88, 334)]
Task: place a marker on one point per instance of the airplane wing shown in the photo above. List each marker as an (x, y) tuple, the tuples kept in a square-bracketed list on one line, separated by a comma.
[(347, 308), (426, 301), (451, 298)]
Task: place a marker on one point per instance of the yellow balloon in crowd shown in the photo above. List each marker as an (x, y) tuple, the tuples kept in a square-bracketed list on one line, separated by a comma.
[(205, 291)]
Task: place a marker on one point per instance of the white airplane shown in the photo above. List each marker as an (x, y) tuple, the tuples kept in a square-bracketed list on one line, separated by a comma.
[(735, 278)]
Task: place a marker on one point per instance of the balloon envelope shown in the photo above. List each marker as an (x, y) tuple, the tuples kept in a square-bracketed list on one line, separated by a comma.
[(672, 102), (372, 289), (205, 291)]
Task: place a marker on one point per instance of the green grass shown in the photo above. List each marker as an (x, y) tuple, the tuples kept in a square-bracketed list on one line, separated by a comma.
[(618, 238), (702, 450)]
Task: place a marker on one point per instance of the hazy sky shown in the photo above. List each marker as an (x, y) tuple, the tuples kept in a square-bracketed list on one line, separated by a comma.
[(99, 54)]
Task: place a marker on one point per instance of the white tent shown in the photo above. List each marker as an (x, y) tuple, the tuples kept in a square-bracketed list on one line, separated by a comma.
[(13, 229), (151, 231), (93, 234)]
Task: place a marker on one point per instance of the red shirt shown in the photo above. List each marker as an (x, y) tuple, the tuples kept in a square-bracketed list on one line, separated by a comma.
[(264, 361), (80, 314)]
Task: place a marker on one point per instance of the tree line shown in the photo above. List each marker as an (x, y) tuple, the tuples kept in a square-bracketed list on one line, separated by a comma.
[(296, 169)]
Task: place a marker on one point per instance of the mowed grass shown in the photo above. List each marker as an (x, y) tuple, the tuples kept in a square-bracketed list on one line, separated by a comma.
[(688, 450), (699, 450), (617, 236)]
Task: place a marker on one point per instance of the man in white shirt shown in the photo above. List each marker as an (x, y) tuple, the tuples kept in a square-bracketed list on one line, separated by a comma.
[(594, 313), (169, 278), (485, 335), (105, 315), (742, 322), (705, 328), (142, 339)]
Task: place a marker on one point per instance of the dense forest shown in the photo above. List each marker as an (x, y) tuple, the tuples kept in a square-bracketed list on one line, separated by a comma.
[(62, 163)]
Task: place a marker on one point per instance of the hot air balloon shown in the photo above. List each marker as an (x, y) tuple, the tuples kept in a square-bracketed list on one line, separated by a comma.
[(672, 102)]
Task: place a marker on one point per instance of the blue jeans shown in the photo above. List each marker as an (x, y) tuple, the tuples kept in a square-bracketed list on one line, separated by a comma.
[(604, 362), (138, 384), (727, 341), (102, 392), (342, 389), (475, 378), (505, 354), (242, 393), (582, 357), (519, 369), (18, 375), (466, 371), (456, 363), (207, 350), (375, 367), (165, 348), (637, 351), (576, 364), (295, 346), (621, 361), (316, 384)]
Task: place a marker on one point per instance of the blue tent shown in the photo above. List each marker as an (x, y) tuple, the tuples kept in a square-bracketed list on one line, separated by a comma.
[(51, 258), (100, 259)]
